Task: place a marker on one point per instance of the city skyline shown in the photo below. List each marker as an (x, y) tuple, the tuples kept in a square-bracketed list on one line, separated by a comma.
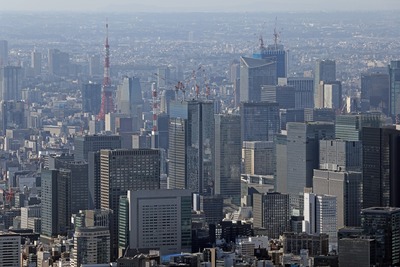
[(127, 6)]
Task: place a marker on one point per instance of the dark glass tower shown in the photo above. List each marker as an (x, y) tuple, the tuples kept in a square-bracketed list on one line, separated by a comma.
[(91, 97), (381, 168), (122, 170), (260, 121), (383, 224), (191, 146), (228, 157)]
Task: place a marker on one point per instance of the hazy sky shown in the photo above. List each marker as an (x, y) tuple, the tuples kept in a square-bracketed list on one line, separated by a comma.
[(202, 5)]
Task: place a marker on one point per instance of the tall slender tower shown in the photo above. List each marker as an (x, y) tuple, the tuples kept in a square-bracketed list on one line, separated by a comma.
[(107, 104)]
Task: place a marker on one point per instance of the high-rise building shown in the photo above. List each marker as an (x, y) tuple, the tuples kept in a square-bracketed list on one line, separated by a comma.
[(163, 77), (375, 92), (332, 95), (91, 246), (281, 163), (253, 74), (12, 115), (340, 155), (381, 173), (49, 203), (349, 127), (122, 170), (94, 143), (259, 121), (192, 146), (130, 100), (302, 152), (213, 208), (394, 89), (36, 62), (28, 214), (304, 91), (383, 224), (10, 83), (95, 67), (278, 54), (3, 53), (58, 62), (347, 187), (72, 191), (284, 95), (357, 252), (325, 71), (272, 212), (320, 215), (91, 98), (166, 97), (234, 71), (10, 250), (339, 174), (259, 157), (228, 157), (319, 114), (160, 219)]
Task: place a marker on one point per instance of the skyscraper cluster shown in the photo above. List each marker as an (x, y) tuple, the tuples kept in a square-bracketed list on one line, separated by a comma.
[(154, 167)]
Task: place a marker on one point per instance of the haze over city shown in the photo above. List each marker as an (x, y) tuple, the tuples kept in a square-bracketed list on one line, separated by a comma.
[(226, 133), (128, 6)]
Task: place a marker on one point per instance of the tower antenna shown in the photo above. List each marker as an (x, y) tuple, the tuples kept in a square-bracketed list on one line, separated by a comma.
[(107, 105)]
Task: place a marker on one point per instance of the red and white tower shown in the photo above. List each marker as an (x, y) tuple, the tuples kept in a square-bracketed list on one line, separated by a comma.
[(107, 105)]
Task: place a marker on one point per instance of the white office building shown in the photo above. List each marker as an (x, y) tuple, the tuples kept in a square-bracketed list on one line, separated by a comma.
[(320, 216), (160, 219)]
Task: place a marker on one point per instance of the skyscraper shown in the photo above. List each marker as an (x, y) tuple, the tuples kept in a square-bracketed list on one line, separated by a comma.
[(36, 62), (91, 97), (253, 74), (277, 53), (302, 152), (320, 215), (228, 157), (394, 89), (191, 146), (49, 203), (91, 246), (130, 100), (259, 121), (381, 172), (93, 143), (382, 223), (325, 71), (163, 77), (58, 62), (122, 170), (160, 219), (304, 91), (10, 83), (284, 95), (259, 157), (272, 211), (349, 127), (3, 53), (332, 95), (94, 66), (375, 92)]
